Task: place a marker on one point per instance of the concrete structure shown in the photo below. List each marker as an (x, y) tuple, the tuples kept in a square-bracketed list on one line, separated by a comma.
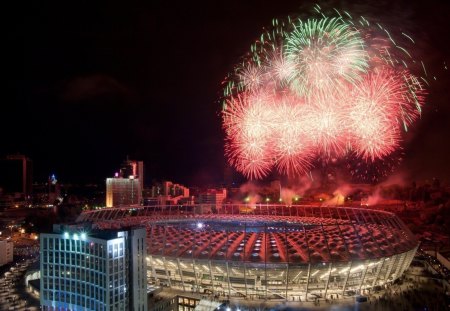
[(170, 189), (6, 252), (85, 269), (133, 168), (272, 252), (213, 197), (125, 189), (169, 193)]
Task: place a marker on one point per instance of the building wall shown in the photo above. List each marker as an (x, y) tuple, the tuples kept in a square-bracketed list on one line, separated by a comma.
[(168, 193), (6, 252), (118, 273), (138, 268), (140, 173), (123, 192), (67, 259), (81, 272), (133, 168), (213, 197)]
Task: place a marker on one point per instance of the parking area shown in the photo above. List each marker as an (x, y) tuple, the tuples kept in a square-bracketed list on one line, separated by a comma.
[(13, 293)]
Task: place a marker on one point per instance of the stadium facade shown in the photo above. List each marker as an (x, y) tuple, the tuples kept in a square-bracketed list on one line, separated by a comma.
[(269, 252)]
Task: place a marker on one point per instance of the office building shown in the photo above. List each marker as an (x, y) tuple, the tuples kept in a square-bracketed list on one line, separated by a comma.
[(213, 197), (86, 269), (133, 168), (169, 189), (169, 193), (6, 252), (125, 189), (123, 192)]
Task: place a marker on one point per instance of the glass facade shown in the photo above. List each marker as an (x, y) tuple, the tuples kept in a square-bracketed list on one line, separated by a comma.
[(81, 272), (64, 262)]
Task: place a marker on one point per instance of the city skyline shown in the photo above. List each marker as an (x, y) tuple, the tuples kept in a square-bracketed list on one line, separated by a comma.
[(92, 84)]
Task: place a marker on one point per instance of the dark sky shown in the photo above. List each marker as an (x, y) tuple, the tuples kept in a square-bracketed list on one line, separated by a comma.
[(89, 82)]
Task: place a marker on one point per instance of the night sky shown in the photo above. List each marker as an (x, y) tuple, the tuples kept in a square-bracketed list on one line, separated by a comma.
[(88, 83)]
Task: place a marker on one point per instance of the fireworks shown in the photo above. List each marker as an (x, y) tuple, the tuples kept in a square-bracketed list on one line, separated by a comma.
[(324, 51), (320, 88)]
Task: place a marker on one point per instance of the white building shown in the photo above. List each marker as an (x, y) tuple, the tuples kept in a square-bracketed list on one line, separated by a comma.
[(6, 252), (93, 270)]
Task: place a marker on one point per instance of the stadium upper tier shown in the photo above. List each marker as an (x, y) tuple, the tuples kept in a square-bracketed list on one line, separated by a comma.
[(264, 233)]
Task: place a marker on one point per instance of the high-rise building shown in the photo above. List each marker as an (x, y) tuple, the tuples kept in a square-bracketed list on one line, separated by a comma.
[(123, 192), (213, 197), (127, 185), (133, 168), (169, 193), (101, 270), (16, 175), (6, 252), (174, 190)]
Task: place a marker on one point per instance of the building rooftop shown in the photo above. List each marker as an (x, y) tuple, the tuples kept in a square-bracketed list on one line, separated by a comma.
[(91, 230)]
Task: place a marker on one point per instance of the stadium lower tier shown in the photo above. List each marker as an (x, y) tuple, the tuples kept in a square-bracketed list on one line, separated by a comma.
[(289, 281)]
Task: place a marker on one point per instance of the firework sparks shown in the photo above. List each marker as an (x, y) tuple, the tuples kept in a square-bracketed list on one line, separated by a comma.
[(324, 52), (320, 88)]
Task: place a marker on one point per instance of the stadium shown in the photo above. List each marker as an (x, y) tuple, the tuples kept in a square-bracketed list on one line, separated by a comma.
[(268, 251)]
